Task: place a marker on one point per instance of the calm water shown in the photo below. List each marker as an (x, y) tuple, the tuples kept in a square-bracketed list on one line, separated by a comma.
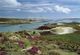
[(13, 28)]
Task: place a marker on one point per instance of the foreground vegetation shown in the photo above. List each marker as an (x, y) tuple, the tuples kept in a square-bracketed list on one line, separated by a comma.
[(36, 43)]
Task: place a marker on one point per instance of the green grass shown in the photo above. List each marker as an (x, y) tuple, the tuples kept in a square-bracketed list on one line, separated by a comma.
[(71, 37), (62, 52)]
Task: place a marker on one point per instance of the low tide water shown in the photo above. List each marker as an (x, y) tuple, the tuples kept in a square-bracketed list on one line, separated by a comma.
[(20, 27)]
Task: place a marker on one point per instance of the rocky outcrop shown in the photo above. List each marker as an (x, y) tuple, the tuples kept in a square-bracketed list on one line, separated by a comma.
[(43, 28)]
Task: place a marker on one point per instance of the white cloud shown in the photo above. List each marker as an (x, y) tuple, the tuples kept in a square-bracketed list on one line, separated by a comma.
[(62, 9), (10, 3), (14, 5), (18, 9), (48, 9), (36, 10)]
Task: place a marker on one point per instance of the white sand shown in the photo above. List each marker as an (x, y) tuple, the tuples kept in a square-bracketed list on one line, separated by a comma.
[(63, 30)]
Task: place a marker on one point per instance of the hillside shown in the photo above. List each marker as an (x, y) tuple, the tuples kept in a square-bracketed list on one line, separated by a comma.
[(14, 21), (68, 20)]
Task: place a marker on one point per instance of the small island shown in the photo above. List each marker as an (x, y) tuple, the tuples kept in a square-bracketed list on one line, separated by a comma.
[(15, 21)]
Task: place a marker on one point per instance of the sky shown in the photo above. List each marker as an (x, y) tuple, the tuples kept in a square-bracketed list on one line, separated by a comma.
[(51, 9)]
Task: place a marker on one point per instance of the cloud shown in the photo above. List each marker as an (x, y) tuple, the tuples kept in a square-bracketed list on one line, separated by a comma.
[(49, 9), (62, 9), (53, 8), (36, 10), (10, 3), (18, 9), (45, 6)]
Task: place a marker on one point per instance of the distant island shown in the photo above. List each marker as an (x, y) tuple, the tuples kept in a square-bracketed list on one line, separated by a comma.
[(15, 21)]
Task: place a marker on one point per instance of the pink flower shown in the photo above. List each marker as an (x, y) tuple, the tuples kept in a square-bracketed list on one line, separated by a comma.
[(3, 53), (34, 50), (21, 44)]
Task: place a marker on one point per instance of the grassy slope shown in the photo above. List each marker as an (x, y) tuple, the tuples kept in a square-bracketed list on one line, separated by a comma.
[(72, 37)]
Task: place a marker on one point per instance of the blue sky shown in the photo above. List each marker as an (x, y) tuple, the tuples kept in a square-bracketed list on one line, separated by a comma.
[(50, 9)]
